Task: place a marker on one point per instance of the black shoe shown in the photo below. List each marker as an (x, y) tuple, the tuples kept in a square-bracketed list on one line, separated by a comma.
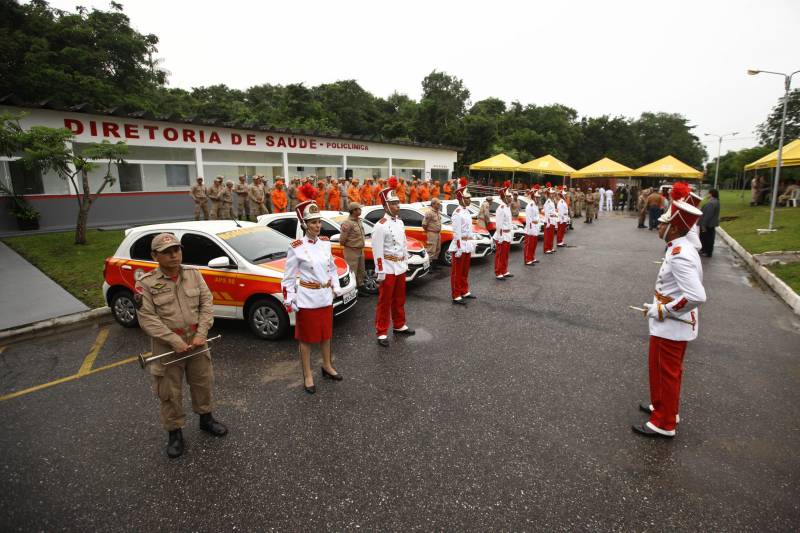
[(535, 261), (209, 425), (334, 377), (407, 331), (508, 275), (175, 444), (499, 278), (644, 406), (459, 302), (383, 342), (470, 296), (644, 429)]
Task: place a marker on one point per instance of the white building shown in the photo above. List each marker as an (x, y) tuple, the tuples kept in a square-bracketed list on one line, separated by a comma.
[(164, 158)]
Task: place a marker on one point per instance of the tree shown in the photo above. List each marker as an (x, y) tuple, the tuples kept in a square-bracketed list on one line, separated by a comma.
[(46, 149), (769, 130), (731, 165), (441, 109), (662, 134)]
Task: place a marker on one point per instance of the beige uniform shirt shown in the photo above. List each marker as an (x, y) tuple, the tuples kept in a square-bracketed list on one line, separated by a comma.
[(198, 193), (352, 234), (170, 311), (227, 197), (257, 193), (432, 221), (242, 189), (214, 192)]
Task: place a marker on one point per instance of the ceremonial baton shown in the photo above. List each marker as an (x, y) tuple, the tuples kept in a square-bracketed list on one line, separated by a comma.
[(643, 310), (143, 361)]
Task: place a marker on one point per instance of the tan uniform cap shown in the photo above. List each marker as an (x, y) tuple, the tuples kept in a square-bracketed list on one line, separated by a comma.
[(162, 241)]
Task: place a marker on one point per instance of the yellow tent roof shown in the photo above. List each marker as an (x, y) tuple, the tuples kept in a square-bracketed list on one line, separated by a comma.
[(605, 168), (499, 162), (668, 167), (789, 158), (547, 165)]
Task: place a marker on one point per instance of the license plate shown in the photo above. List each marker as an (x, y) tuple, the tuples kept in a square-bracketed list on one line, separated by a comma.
[(349, 296)]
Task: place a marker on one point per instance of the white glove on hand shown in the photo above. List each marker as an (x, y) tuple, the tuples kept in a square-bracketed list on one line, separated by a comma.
[(652, 311), (381, 276), (291, 306)]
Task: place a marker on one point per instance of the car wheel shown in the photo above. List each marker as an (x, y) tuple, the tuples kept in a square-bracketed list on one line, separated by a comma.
[(123, 308), (370, 280), (268, 319), (446, 257)]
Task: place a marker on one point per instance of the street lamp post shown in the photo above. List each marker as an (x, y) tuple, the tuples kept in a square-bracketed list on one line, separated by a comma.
[(719, 149), (787, 81)]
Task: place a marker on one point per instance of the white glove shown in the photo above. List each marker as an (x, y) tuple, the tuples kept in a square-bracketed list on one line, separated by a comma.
[(381, 276), (652, 311), (291, 306)]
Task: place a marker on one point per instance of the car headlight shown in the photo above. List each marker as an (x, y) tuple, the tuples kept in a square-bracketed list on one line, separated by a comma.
[(344, 281)]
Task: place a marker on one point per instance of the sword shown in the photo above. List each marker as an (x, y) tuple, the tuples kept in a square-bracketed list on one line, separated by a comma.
[(677, 319)]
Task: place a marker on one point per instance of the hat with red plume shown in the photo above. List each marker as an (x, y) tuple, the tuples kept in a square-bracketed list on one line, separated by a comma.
[(463, 190), (681, 215), (504, 191), (308, 190), (308, 210), (388, 194), (680, 190)]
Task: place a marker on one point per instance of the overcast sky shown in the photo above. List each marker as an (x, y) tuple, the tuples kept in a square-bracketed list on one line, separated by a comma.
[(613, 57)]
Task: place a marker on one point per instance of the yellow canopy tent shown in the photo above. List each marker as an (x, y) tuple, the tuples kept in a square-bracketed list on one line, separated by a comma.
[(547, 165), (500, 162), (605, 168), (668, 167), (789, 158)]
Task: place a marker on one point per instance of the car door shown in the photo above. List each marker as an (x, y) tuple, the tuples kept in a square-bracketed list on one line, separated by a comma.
[(141, 260), (225, 284)]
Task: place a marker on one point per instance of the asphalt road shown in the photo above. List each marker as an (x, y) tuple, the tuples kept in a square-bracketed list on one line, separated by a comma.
[(511, 414)]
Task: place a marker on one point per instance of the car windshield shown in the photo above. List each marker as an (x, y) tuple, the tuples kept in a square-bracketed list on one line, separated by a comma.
[(368, 226), (257, 243)]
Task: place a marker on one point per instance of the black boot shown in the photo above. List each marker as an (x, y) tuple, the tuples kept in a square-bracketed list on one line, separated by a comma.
[(175, 444), (208, 424)]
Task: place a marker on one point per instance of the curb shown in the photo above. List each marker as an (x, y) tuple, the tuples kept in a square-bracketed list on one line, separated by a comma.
[(780, 288), (51, 323)]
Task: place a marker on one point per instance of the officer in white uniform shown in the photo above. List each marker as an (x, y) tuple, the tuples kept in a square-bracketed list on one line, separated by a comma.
[(461, 247), (673, 319), (532, 223), (550, 221), (390, 253), (563, 218), (502, 235)]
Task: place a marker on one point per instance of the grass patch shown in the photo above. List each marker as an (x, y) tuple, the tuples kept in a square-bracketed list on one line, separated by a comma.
[(745, 220), (77, 268), (789, 274)]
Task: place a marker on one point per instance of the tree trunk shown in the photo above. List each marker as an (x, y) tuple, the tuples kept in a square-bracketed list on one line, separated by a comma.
[(83, 210)]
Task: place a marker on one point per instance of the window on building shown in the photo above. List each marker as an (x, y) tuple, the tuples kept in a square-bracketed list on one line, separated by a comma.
[(25, 180), (411, 218), (374, 216), (439, 174), (140, 249), (249, 172), (199, 250), (287, 226), (177, 175), (130, 177)]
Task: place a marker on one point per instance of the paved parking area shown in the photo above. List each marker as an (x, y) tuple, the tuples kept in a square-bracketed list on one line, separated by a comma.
[(513, 413)]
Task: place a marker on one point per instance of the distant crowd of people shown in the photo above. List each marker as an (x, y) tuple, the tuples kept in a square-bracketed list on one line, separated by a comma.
[(761, 191)]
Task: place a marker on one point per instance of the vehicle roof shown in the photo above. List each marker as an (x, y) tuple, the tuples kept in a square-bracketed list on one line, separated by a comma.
[(208, 226)]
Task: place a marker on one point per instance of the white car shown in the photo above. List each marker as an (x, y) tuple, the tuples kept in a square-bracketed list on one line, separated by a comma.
[(412, 215), (241, 262), (419, 264)]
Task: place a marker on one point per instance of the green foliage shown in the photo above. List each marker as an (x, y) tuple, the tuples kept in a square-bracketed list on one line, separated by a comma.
[(769, 130), (731, 166), (741, 222)]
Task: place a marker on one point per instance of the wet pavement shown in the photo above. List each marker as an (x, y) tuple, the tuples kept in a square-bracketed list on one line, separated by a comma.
[(513, 413)]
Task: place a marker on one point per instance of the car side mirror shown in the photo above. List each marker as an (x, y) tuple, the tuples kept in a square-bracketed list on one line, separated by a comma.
[(221, 262), (335, 238)]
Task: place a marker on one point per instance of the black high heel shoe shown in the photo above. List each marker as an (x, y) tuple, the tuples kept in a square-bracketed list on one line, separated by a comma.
[(334, 377), (309, 389)]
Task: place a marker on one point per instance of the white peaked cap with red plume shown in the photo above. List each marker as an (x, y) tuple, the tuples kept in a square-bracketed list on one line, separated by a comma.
[(681, 215), (388, 194), (308, 210), (463, 190)]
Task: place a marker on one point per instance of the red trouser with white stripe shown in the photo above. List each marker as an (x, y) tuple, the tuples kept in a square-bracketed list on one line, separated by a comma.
[(562, 230), (530, 247), (391, 303), (501, 258), (665, 363), (548, 238), (459, 275)]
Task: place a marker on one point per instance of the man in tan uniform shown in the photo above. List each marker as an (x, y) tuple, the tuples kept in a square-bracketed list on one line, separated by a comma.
[(432, 224), (352, 239), (175, 308), (226, 201), (214, 194), (258, 197), (198, 194), (242, 200), (291, 192), (590, 206)]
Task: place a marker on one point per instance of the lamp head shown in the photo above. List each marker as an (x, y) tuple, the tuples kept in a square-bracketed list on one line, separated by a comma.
[(752, 71)]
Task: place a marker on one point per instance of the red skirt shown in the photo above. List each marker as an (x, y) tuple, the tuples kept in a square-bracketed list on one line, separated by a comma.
[(314, 325)]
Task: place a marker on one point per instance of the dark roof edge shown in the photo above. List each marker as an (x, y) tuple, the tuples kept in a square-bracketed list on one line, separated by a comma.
[(12, 100)]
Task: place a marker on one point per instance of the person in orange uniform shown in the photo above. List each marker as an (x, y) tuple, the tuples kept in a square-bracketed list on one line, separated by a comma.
[(352, 192), (334, 198), (321, 196), (376, 191), (401, 190), (366, 192), (413, 191), (279, 198), (424, 192), (435, 191), (448, 190)]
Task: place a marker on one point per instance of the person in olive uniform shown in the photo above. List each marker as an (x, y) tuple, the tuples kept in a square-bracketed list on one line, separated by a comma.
[(175, 308), (215, 195), (226, 201), (198, 194), (352, 239), (243, 205), (432, 224)]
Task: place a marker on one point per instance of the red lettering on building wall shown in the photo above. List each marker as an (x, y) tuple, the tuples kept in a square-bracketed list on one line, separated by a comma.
[(251, 139), (171, 134), (202, 136), (151, 131), (75, 126), (281, 142), (270, 140), (313, 144), (131, 131), (110, 130), (188, 136), (93, 128), (236, 138), (214, 138)]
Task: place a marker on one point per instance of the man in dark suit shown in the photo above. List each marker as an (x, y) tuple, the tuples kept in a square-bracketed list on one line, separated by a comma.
[(708, 223)]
